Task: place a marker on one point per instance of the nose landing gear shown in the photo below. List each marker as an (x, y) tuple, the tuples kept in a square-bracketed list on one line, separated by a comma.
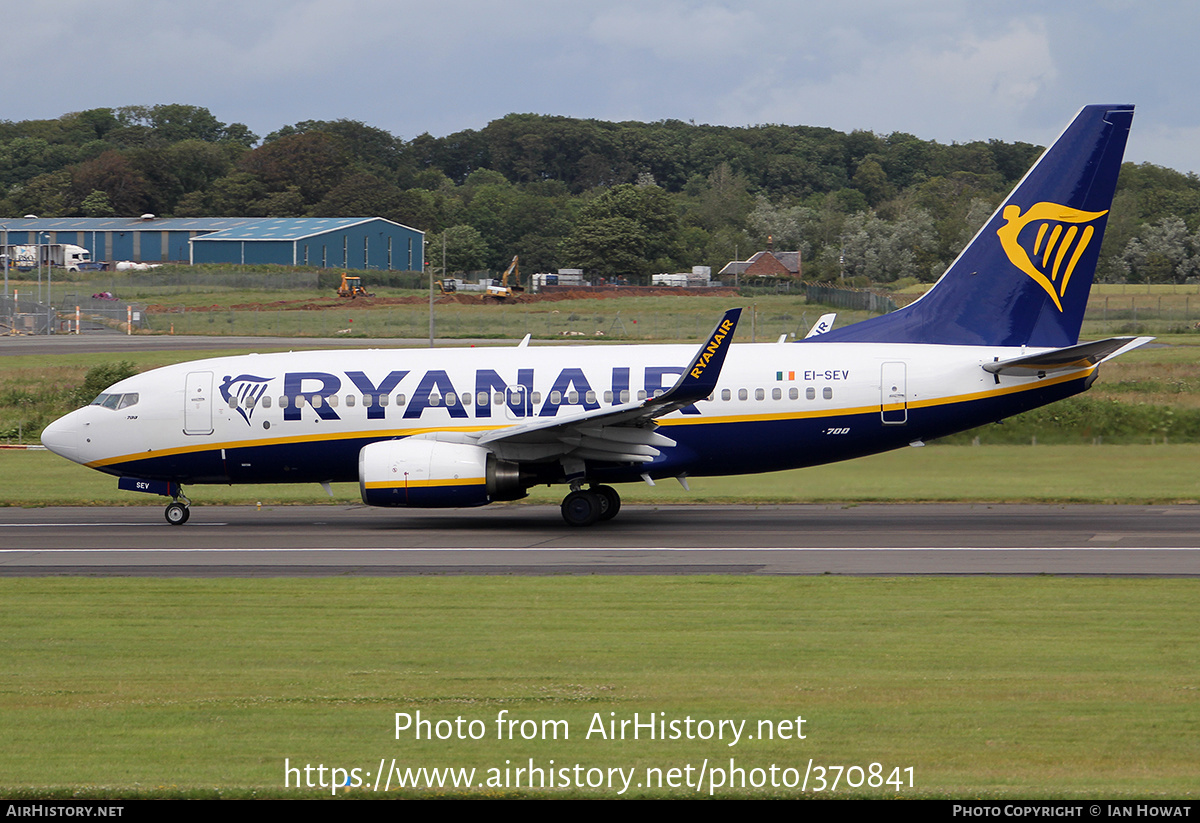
[(177, 512)]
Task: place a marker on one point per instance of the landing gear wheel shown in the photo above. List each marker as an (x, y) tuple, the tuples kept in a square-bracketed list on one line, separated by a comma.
[(610, 501), (582, 508), (177, 514)]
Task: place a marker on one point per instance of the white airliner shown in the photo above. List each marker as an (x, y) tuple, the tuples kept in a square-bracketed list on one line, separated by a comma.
[(997, 335)]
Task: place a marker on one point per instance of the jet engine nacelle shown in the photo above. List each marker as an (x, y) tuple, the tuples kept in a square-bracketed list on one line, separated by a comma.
[(434, 474)]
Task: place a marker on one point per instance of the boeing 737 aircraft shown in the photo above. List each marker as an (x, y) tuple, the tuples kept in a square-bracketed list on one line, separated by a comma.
[(997, 335)]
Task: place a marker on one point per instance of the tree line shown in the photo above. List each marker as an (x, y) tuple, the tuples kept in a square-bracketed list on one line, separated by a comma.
[(617, 199)]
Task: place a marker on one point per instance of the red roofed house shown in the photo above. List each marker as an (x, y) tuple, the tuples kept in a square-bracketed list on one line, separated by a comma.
[(767, 264)]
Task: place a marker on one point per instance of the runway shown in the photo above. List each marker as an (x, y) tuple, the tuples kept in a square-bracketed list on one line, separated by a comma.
[(532, 540)]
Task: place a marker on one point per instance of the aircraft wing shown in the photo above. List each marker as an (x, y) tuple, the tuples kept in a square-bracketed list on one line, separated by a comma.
[(623, 433), (1071, 358)]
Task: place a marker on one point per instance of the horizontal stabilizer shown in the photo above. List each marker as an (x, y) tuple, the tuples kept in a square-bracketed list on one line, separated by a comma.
[(1071, 358)]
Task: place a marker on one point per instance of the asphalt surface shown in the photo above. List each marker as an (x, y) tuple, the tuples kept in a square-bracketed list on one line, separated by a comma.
[(533, 540)]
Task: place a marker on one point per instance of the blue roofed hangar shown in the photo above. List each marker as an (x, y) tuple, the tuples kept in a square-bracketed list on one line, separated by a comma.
[(327, 242)]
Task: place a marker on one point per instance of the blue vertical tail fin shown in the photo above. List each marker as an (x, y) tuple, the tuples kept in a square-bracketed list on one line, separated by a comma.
[(1024, 278)]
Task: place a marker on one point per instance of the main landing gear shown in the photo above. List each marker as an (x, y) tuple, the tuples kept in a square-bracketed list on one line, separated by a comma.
[(177, 512), (584, 507)]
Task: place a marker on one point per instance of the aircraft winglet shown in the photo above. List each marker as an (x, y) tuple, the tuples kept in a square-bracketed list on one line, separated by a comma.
[(824, 323), (695, 384), (700, 378)]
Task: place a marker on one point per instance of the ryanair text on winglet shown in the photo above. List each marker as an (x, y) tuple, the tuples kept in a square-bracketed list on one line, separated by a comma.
[(713, 345)]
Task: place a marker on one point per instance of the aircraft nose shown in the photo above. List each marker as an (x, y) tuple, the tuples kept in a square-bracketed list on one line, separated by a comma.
[(62, 436)]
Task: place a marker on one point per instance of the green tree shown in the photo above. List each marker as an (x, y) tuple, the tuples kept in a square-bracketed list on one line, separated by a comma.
[(313, 162), (626, 230), (96, 205), (791, 228), (127, 189), (361, 195), (1163, 252), (881, 251), (872, 181), (235, 195), (466, 250), (286, 203), (608, 247), (46, 195)]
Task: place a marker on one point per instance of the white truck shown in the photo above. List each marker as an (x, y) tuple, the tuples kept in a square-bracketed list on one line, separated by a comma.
[(63, 255)]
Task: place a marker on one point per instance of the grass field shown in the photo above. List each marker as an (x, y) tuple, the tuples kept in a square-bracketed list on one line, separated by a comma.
[(1005, 688)]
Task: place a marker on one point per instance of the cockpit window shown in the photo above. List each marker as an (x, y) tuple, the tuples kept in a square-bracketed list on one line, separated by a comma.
[(116, 401)]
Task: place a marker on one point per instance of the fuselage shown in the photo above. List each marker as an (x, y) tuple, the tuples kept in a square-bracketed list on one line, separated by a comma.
[(305, 416)]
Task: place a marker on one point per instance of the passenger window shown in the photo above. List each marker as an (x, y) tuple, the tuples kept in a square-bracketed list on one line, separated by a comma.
[(556, 397), (399, 400), (349, 401), (368, 400), (776, 394), (332, 400), (315, 401), (451, 398), (641, 394), (590, 397), (759, 394), (381, 399), (827, 393), (233, 404), (497, 398), (624, 395), (537, 398), (726, 394), (608, 397), (435, 400), (743, 394), (793, 393), (466, 398), (266, 401), (810, 393), (283, 401), (573, 397)]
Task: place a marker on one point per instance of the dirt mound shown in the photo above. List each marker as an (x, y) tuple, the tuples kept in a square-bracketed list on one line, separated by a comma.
[(554, 295)]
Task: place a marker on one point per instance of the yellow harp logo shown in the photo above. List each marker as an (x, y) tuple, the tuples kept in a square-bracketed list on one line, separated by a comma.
[(1048, 255)]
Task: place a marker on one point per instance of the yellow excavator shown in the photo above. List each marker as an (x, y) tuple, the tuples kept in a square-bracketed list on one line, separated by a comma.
[(352, 287), (500, 289)]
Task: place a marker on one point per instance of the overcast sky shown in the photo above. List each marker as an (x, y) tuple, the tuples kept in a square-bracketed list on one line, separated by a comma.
[(947, 70)]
